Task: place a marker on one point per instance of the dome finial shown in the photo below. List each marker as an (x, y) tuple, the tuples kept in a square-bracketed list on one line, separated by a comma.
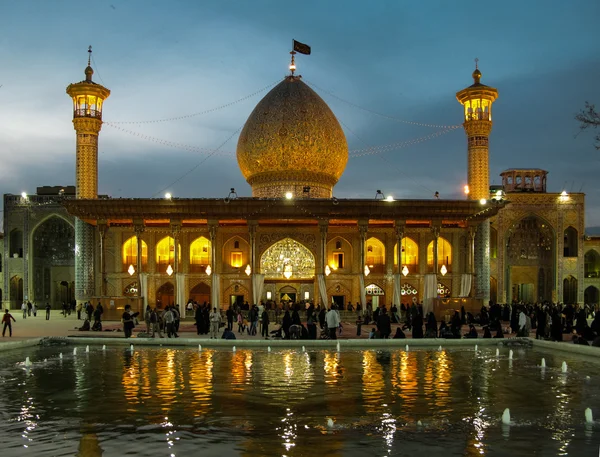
[(89, 71), (476, 73), (293, 63)]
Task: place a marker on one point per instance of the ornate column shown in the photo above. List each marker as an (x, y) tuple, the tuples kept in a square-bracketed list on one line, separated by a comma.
[(213, 226), (102, 230), (482, 262), (399, 227), (363, 228), (323, 226), (139, 228), (435, 230), (175, 231), (472, 230), (252, 226), (26, 245)]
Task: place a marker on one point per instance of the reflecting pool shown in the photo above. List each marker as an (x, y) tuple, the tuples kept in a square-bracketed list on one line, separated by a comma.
[(181, 402)]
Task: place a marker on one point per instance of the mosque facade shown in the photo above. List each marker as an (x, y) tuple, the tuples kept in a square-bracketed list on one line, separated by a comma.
[(293, 239)]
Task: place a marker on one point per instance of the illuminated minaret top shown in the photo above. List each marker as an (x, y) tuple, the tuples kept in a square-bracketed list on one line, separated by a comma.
[(88, 98), (477, 100)]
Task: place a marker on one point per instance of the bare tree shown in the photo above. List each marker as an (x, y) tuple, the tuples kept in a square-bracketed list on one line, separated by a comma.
[(589, 117)]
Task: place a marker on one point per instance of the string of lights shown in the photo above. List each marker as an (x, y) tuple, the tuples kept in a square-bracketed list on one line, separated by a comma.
[(403, 121), (211, 110), (391, 147), (215, 151)]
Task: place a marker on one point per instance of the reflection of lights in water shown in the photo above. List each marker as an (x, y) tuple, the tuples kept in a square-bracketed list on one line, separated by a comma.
[(201, 374), (28, 418), (373, 384), (287, 363), (288, 430), (562, 430), (331, 367), (404, 378), (480, 424), (388, 429), (170, 435)]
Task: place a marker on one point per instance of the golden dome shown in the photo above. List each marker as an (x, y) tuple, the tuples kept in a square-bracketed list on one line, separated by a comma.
[(292, 141)]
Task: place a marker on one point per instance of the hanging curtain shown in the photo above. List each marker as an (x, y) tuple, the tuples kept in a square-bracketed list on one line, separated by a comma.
[(215, 291), (363, 292), (430, 292), (465, 284), (323, 290), (397, 296), (258, 282), (144, 289), (180, 298)]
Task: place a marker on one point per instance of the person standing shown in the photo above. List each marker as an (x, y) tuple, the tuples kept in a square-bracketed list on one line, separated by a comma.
[(384, 324), (265, 324), (169, 319), (332, 320), (128, 321), (79, 308), (24, 309), (215, 321), (29, 306), (48, 308), (34, 309), (229, 314), (6, 321)]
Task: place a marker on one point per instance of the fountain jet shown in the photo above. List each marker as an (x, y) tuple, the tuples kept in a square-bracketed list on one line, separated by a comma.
[(506, 417), (589, 417), (564, 367), (28, 362), (543, 365), (510, 354)]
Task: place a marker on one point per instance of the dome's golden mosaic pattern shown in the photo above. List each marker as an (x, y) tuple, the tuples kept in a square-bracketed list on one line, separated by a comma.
[(292, 140)]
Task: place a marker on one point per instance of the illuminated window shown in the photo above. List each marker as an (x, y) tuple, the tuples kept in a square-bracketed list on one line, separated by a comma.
[(130, 249), (236, 244), (199, 254), (375, 256), (338, 244), (165, 252), (444, 254), (338, 260), (236, 259), (410, 252)]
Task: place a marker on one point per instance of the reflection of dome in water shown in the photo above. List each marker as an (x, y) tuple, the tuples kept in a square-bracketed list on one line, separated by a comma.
[(292, 140)]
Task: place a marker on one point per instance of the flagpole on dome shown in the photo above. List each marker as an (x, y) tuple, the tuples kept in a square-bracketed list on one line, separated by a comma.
[(293, 63), (302, 49)]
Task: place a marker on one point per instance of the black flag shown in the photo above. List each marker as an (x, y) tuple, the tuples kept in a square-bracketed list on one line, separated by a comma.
[(301, 48)]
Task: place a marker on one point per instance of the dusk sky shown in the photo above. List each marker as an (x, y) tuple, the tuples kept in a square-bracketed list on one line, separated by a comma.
[(405, 60)]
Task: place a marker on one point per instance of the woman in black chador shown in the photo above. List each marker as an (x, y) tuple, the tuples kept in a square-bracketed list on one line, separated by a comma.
[(287, 321)]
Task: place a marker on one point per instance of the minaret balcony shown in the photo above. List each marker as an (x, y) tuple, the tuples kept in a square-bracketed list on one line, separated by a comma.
[(86, 112)]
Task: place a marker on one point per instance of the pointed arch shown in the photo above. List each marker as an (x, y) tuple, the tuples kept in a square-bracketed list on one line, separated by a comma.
[(15, 243), (339, 254), (571, 242), (591, 264), (165, 253), (130, 251), (591, 296), (200, 254), (165, 295), (410, 254), (570, 290), (444, 254), (375, 255), (287, 255), (200, 293)]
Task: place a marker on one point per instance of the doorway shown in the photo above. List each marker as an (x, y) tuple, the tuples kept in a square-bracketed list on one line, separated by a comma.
[(339, 300), (236, 300)]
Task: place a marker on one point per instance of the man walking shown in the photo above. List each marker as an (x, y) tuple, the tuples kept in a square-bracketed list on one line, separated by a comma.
[(332, 319), (48, 311), (215, 321), (24, 309), (6, 321)]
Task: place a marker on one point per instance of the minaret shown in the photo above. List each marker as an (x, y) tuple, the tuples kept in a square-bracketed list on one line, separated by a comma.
[(88, 98), (477, 100)]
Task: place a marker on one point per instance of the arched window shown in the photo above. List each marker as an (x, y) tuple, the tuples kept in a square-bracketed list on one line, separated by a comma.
[(444, 255), (592, 264), (570, 290), (16, 243), (570, 248), (131, 290), (339, 254), (165, 253), (493, 243), (200, 254), (287, 259), (130, 250), (410, 254), (375, 255)]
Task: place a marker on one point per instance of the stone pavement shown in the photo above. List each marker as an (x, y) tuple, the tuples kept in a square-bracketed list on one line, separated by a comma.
[(60, 326)]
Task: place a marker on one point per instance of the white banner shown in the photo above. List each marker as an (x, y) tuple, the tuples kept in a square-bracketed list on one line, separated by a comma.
[(323, 290), (465, 284), (397, 295), (258, 282), (215, 291), (363, 293), (144, 289), (180, 299), (430, 293)]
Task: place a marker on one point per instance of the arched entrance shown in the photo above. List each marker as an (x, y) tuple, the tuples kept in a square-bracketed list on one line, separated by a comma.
[(570, 290), (288, 294), (289, 260), (53, 261), (530, 260), (375, 295), (590, 296), (165, 295), (16, 291), (200, 293)]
